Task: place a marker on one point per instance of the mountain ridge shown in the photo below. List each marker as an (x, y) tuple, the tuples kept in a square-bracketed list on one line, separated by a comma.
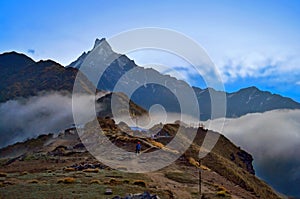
[(241, 102)]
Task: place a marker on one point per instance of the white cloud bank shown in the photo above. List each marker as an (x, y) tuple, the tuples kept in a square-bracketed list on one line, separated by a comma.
[(273, 138), (46, 113)]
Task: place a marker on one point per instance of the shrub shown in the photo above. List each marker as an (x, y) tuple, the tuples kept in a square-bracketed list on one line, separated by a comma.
[(68, 169), (157, 144), (24, 173), (95, 182), (67, 180), (205, 168), (3, 174), (222, 193), (140, 183), (34, 181), (114, 182), (91, 170), (220, 188), (193, 162)]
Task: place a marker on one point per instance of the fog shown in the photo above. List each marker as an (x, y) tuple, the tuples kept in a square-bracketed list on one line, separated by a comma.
[(47, 113), (273, 138)]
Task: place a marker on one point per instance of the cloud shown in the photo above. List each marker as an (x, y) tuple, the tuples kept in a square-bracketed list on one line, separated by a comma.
[(298, 83), (273, 138), (46, 113), (256, 64), (31, 51)]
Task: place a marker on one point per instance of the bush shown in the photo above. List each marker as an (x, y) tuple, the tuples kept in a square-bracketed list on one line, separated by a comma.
[(68, 169), (34, 181), (91, 170), (140, 183), (113, 181), (222, 193), (24, 173), (193, 162), (220, 188), (205, 168), (95, 182), (3, 174), (67, 180), (157, 144)]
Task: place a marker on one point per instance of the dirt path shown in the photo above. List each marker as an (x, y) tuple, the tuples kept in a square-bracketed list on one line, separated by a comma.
[(178, 190)]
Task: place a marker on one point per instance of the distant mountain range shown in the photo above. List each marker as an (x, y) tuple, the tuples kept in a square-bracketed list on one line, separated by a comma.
[(23, 77), (244, 101)]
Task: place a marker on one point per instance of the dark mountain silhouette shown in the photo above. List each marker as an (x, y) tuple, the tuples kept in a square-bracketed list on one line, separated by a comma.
[(24, 77), (114, 66)]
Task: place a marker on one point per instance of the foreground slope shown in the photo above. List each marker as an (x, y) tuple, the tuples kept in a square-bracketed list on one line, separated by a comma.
[(61, 167)]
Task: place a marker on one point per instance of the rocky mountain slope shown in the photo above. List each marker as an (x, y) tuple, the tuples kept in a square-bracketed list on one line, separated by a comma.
[(63, 163), (24, 77)]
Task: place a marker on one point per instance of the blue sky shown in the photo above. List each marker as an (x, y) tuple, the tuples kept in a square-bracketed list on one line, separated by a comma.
[(251, 42)]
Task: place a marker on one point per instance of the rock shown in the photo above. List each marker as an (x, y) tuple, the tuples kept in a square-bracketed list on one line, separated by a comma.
[(145, 195), (108, 192), (247, 159)]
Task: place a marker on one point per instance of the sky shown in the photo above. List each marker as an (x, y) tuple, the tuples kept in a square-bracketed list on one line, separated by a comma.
[(252, 43)]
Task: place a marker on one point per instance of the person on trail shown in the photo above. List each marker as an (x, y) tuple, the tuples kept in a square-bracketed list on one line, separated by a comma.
[(138, 148)]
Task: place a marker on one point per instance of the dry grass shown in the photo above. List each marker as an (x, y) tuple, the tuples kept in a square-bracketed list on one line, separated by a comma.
[(124, 138), (157, 144), (69, 169), (140, 183), (2, 174), (203, 167), (33, 181), (114, 182), (222, 191), (221, 188), (95, 182), (91, 170), (24, 173), (193, 162), (67, 180), (161, 146), (223, 194)]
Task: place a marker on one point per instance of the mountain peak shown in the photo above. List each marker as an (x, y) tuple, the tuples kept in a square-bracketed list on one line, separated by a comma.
[(101, 42), (15, 60)]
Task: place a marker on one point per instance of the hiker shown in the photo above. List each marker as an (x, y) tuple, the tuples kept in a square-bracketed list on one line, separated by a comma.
[(138, 148)]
